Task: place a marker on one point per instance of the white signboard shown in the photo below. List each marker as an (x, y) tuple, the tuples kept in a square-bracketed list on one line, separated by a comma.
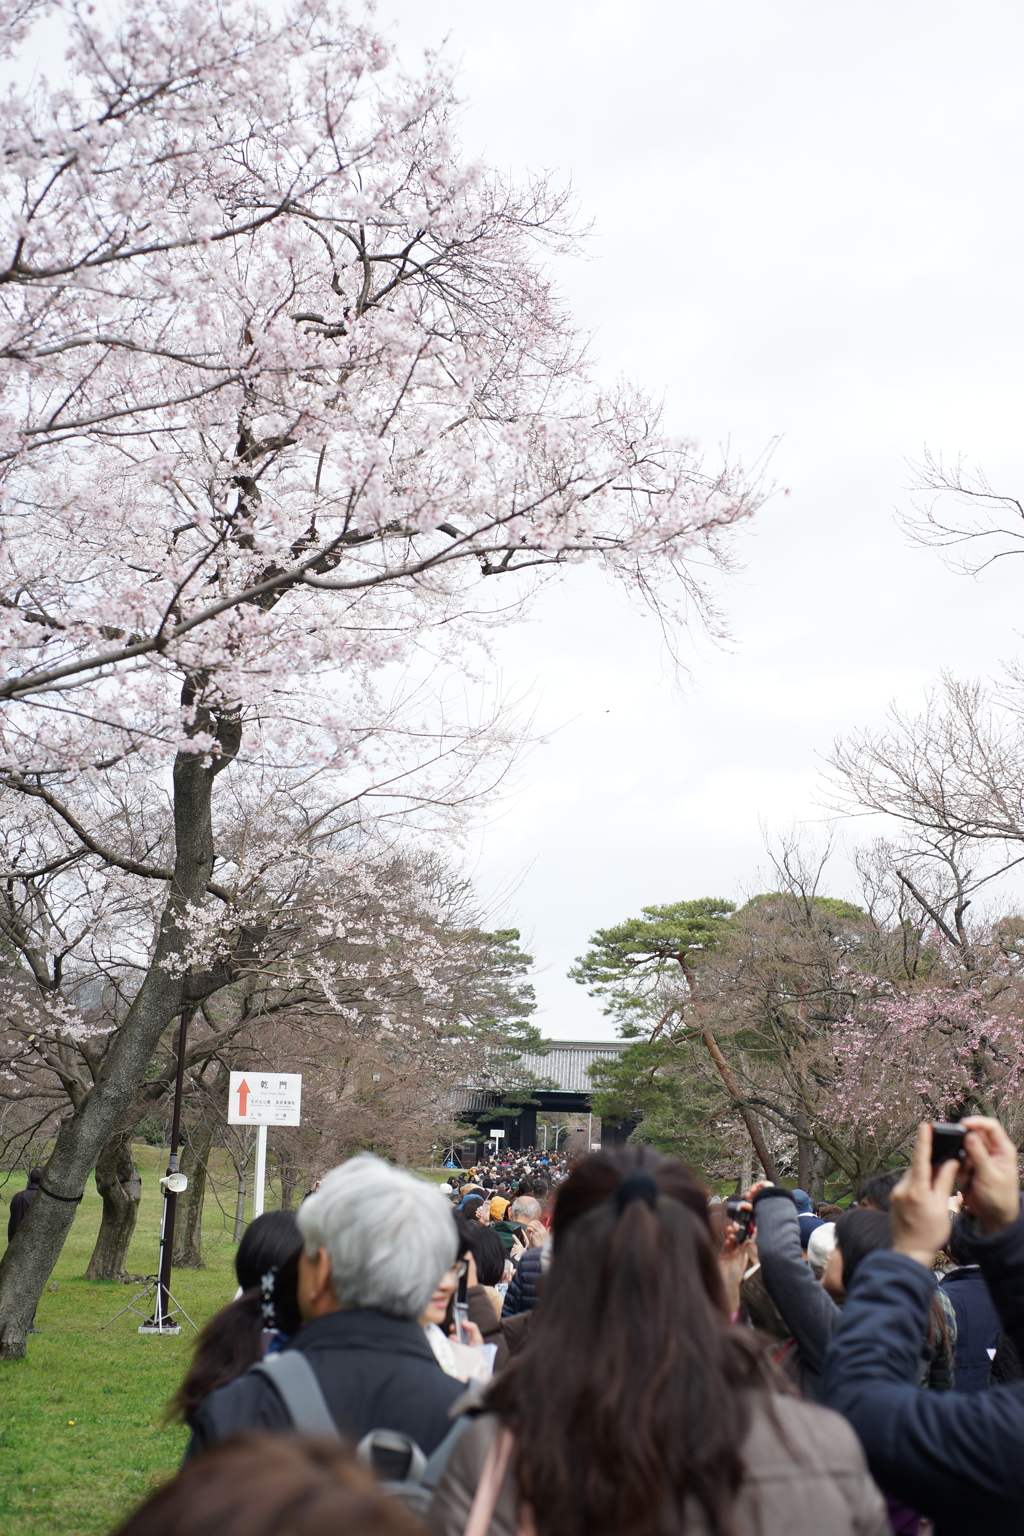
[(264, 1098)]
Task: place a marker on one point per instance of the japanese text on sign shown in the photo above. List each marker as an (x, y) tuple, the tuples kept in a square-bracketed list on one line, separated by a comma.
[(264, 1098)]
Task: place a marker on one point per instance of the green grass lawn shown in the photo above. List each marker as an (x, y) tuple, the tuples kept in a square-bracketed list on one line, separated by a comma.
[(82, 1436), (82, 1432)]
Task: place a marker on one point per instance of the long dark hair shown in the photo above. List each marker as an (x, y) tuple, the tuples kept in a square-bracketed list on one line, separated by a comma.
[(858, 1233), (267, 1266), (628, 1397), (486, 1247)]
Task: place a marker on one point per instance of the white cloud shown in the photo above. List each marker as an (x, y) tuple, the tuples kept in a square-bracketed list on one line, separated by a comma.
[(808, 223)]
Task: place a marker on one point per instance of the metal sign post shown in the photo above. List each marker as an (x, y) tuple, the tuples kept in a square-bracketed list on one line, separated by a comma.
[(260, 1176), (262, 1099)]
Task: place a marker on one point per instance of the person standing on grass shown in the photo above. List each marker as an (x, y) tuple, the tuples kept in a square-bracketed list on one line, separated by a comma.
[(21, 1202), (19, 1210)]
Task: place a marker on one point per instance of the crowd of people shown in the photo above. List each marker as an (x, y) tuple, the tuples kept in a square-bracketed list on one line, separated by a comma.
[(507, 1170), (545, 1350)]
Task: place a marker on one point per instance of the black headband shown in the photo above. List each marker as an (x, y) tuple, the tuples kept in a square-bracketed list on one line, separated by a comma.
[(636, 1186)]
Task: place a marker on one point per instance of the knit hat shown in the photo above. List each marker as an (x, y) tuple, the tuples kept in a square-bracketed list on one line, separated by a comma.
[(498, 1208), (803, 1202), (808, 1225)]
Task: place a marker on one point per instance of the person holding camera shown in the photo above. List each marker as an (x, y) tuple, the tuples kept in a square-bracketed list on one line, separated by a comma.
[(954, 1457), (811, 1306), (636, 1405)]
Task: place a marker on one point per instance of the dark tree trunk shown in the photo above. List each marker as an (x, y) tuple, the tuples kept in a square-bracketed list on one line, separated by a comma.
[(243, 1170), (819, 1164), (746, 1174), (188, 1232), (29, 1259), (120, 1185), (746, 1114), (287, 1170), (803, 1164), (287, 1187)]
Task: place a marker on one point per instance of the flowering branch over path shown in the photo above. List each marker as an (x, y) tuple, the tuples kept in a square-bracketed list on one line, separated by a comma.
[(271, 350), (283, 384)]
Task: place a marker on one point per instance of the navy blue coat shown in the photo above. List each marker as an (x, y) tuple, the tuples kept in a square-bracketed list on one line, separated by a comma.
[(977, 1326), (521, 1295), (376, 1372), (958, 1458)]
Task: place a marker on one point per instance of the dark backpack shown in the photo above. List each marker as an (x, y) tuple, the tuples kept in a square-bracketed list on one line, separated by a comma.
[(296, 1384)]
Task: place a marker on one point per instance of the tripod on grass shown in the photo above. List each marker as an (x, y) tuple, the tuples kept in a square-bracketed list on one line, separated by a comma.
[(159, 1317), (165, 1307)]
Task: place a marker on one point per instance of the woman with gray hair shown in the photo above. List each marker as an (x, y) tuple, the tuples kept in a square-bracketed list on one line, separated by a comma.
[(376, 1241)]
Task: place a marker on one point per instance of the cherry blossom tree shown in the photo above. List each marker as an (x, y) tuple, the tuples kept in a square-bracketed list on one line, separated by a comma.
[(421, 1003), (936, 1053), (851, 1024), (285, 385), (351, 950), (840, 1026)]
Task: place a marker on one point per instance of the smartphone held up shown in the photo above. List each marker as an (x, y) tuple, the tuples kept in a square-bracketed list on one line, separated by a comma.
[(462, 1302)]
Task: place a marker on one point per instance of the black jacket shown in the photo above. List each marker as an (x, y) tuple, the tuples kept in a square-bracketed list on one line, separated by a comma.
[(955, 1457), (19, 1208), (977, 1326), (376, 1372), (521, 1295)]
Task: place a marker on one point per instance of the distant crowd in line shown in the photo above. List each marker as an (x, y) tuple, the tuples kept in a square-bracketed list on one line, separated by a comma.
[(609, 1349)]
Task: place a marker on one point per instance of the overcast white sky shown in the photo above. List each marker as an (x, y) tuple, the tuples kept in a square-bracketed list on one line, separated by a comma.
[(808, 224)]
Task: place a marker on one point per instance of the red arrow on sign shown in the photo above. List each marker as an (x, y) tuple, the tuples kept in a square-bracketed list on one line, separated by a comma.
[(243, 1094)]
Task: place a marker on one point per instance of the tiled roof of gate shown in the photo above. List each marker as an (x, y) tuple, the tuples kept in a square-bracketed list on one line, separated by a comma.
[(566, 1062)]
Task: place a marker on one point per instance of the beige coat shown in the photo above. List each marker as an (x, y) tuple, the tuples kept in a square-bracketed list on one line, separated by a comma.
[(817, 1484)]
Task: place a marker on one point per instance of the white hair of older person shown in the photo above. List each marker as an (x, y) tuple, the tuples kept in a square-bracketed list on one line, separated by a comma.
[(389, 1236), (524, 1209), (819, 1246)]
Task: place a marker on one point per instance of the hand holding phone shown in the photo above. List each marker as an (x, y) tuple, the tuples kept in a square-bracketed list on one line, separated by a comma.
[(919, 1205), (991, 1177), (462, 1303)]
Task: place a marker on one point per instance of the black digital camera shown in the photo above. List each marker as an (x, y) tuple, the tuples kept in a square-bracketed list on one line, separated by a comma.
[(736, 1211), (947, 1143)]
